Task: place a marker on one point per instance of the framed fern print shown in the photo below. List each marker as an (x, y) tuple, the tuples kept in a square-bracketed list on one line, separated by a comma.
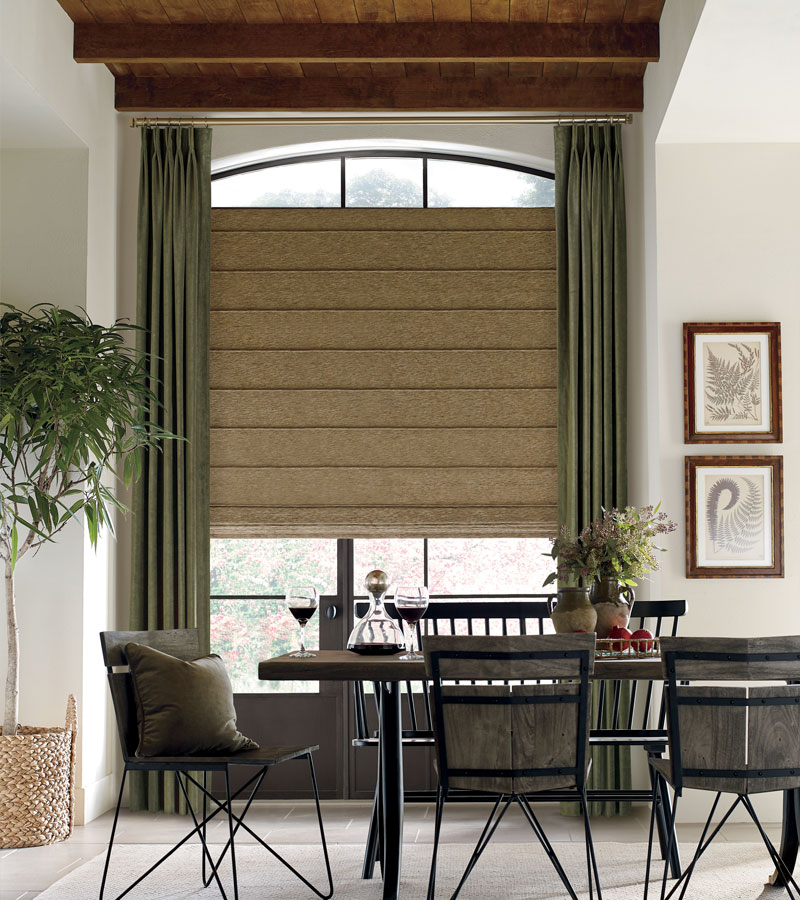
[(734, 516), (732, 383)]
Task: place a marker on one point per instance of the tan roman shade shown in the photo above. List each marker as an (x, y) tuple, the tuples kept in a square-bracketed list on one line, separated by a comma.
[(383, 372)]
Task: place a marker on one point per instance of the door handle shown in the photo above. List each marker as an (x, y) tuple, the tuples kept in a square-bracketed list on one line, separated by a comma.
[(332, 611)]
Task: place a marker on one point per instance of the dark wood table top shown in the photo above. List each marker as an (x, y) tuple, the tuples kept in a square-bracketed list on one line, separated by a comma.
[(344, 665)]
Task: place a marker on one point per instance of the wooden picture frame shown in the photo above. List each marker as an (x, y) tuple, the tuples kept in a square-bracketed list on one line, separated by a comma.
[(732, 383), (734, 516)]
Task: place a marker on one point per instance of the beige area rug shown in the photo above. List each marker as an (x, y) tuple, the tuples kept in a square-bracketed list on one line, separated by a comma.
[(728, 871)]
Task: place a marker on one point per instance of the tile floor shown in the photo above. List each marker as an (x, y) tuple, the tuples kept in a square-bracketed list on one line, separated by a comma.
[(25, 873)]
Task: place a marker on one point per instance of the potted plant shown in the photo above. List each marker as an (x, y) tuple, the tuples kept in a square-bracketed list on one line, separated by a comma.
[(74, 399), (608, 555)]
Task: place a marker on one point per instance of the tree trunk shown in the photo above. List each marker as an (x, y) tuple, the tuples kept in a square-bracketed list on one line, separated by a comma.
[(11, 716)]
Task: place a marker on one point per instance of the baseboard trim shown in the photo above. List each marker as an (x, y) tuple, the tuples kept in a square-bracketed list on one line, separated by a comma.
[(94, 799)]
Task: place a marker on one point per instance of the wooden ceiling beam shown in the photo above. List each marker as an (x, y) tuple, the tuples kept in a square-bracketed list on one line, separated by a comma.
[(419, 94), (368, 42)]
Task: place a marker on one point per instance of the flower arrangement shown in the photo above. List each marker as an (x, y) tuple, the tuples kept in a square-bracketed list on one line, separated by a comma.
[(618, 544)]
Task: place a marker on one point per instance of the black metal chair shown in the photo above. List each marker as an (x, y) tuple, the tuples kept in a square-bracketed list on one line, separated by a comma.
[(512, 740), (184, 644), (445, 617), (729, 739)]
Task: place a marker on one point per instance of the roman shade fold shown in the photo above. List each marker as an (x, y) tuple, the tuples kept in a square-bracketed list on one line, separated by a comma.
[(383, 372)]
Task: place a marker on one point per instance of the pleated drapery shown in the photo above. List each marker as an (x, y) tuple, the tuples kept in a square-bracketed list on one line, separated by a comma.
[(592, 353), (170, 522)]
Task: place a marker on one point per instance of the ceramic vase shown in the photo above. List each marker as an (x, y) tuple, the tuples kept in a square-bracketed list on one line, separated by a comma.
[(613, 604), (574, 611)]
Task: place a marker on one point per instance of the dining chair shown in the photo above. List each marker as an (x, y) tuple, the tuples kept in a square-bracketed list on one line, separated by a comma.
[(727, 738), (444, 617), (184, 644), (511, 740)]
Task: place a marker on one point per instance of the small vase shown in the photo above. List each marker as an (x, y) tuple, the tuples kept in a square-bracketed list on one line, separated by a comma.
[(574, 611), (613, 603)]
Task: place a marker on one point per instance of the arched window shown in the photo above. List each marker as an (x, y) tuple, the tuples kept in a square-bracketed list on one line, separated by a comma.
[(383, 178), (288, 303)]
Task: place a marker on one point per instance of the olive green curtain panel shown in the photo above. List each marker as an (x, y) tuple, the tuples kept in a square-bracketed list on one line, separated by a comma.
[(170, 522), (592, 351)]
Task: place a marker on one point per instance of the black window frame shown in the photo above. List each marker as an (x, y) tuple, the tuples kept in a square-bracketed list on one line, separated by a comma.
[(346, 593), (344, 155)]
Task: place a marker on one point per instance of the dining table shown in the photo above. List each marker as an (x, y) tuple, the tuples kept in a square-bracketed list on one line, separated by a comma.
[(389, 672)]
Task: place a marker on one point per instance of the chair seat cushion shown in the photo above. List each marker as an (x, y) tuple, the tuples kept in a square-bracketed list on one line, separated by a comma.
[(183, 707)]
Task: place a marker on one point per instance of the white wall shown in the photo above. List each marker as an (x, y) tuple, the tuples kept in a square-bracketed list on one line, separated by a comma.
[(677, 27), (728, 233), (58, 213), (43, 217), (717, 238)]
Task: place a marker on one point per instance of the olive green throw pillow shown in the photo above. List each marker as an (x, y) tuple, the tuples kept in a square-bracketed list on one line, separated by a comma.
[(183, 708)]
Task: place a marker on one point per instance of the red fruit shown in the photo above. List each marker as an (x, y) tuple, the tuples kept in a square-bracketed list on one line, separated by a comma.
[(642, 640), (619, 632)]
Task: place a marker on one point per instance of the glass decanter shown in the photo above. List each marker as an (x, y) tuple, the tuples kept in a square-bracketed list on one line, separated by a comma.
[(376, 633)]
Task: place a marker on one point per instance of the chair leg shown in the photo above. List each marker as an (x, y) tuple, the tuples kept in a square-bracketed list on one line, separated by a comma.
[(671, 821), (687, 875), (113, 832), (673, 852), (660, 820), (373, 836), (198, 829), (229, 804), (206, 882), (702, 846), (483, 841), (591, 860), (780, 865), (437, 827), (240, 823), (321, 832), (654, 802), (222, 807), (657, 781), (525, 806)]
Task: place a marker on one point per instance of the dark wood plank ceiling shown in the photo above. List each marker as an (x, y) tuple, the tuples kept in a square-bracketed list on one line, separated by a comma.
[(331, 55)]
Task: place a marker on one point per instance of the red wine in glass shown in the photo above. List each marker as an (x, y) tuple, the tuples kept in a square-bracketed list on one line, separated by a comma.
[(410, 614), (410, 603), (302, 601), (302, 613)]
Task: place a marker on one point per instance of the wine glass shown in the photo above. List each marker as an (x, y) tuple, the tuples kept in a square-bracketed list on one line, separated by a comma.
[(302, 601), (410, 603)]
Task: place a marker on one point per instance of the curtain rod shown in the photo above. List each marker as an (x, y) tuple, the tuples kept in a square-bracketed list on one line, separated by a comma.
[(622, 119)]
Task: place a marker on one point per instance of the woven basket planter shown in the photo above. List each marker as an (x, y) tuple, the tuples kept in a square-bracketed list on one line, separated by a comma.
[(37, 783)]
